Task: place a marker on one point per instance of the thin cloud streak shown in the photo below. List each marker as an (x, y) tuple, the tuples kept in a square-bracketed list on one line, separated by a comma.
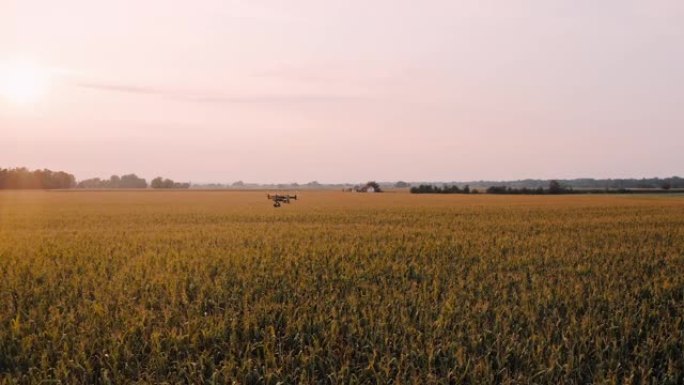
[(208, 97)]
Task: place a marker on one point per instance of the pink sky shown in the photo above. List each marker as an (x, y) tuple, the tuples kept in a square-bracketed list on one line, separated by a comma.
[(347, 91)]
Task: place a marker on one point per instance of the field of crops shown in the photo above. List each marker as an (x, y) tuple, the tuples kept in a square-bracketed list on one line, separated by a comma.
[(339, 288)]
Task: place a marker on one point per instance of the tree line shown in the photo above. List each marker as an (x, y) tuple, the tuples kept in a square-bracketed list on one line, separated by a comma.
[(446, 189), (673, 182), (554, 188), (23, 178), (115, 181), (160, 182), (131, 181)]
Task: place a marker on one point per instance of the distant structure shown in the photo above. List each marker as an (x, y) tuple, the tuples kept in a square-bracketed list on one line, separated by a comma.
[(370, 187)]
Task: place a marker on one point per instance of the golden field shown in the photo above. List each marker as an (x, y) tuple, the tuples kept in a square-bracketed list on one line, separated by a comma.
[(202, 287)]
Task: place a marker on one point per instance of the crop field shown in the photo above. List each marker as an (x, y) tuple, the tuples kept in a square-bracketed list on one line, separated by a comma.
[(200, 287)]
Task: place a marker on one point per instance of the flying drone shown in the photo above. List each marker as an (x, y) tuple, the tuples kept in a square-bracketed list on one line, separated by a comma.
[(278, 199)]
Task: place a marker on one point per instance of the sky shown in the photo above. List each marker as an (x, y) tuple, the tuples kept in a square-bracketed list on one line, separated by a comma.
[(343, 91)]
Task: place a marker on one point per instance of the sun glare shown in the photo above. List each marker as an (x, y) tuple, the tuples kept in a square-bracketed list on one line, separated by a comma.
[(22, 82)]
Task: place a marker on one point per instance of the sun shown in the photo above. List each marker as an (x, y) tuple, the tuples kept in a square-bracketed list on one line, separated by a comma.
[(22, 82)]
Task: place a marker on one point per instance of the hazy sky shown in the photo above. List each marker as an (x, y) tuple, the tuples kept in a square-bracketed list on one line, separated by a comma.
[(336, 91)]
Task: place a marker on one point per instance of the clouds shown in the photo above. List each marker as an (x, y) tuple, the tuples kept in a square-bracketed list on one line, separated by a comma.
[(218, 97)]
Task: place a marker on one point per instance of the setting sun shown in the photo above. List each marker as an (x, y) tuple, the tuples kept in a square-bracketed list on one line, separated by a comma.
[(22, 82)]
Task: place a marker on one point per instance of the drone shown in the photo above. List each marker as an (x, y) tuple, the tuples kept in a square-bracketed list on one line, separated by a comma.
[(278, 199)]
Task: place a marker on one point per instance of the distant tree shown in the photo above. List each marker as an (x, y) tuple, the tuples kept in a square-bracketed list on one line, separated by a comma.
[(451, 190), (132, 181), (402, 184), (555, 187), (157, 182), (666, 185), (165, 183), (114, 181), (91, 183), (496, 190)]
